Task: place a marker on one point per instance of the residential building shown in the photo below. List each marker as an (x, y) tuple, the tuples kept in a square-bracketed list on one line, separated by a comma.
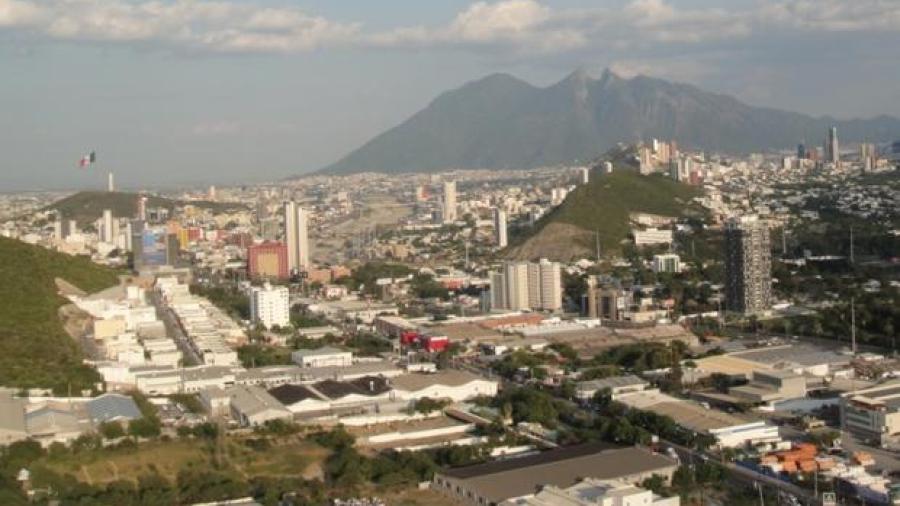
[(270, 306), (500, 238), (449, 210), (268, 260), (748, 265), (296, 237), (652, 236), (524, 285), (669, 262)]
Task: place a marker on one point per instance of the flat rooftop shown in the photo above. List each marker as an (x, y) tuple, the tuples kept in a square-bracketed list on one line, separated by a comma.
[(501, 480)]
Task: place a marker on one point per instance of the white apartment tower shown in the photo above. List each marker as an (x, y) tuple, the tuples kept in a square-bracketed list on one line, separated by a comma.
[(500, 237), (449, 201), (296, 236), (524, 285), (270, 306), (585, 175), (107, 232)]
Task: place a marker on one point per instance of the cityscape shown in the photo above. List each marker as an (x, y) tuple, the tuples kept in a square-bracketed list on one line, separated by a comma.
[(618, 290)]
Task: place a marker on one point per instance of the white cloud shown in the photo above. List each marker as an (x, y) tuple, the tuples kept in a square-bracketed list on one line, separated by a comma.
[(521, 26)]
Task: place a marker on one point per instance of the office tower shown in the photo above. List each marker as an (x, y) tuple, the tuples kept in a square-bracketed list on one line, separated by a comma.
[(449, 201), (110, 183), (106, 233), (500, 228), (801, 151), (296, 236), (211, 193), (268, 260), (669, 262), (832, 149), (585, 175), (270, 306), (748, 265)]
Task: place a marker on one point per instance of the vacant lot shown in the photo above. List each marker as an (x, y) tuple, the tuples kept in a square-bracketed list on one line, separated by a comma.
[(287, 457)]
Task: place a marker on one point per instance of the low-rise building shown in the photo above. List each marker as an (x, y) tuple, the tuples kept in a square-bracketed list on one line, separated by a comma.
[(771, 386), (447, 384), (592, 492), (617, 386), (506, 480), (252, 405), (872, 413), (322, 357)]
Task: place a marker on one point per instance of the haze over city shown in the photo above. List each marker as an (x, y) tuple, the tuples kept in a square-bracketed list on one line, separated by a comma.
[(450, 253), (191, 93)]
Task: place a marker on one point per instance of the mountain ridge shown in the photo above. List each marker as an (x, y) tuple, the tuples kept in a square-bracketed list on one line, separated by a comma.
[(501, 121)]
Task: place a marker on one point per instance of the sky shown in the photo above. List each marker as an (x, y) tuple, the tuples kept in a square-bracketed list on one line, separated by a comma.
[(190, 92)]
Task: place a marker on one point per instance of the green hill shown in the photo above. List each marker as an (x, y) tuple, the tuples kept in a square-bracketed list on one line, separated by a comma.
[(602, 208), (88, 206), (35, 350)]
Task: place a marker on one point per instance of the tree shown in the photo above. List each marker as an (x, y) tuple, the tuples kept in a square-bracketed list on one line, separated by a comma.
[(144, 428), (111, 430)]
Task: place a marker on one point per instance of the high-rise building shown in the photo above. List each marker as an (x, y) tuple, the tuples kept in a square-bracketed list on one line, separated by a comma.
[(585, 175), (524, 285), (270, 306), (801, 151), (296, 236), (268, 260), (832, 149), (748, 265), (142, 208), (449, 201), (500, 237), (110, 183), (107, 232), (668, 262)]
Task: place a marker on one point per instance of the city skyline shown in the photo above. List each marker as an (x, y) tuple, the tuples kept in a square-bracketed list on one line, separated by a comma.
[(195, 96)]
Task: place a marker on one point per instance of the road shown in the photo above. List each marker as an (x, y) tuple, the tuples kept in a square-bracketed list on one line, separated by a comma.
[(173, 329)]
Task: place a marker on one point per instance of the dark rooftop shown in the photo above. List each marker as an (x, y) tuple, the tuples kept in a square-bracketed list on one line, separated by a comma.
[(289, 394)]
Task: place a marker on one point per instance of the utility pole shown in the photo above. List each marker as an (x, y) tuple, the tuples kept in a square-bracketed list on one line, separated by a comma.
[(783, 242), (851, 244), (853, 325), (597, 243), (762, 501)]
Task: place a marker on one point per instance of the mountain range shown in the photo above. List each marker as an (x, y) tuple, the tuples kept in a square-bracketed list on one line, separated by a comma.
[(501, 122)]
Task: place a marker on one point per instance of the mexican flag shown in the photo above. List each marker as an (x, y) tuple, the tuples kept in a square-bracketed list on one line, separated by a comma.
[(87, 159)]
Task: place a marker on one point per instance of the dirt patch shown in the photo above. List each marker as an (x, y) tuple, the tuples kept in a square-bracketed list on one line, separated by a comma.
[(76, 322), (66, 288), (560, 242)]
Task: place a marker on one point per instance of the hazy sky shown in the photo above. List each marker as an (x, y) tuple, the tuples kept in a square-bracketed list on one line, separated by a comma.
[(182, 92)]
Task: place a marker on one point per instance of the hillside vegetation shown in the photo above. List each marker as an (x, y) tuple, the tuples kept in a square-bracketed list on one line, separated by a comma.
[(88, 206), (35, 350), (602, 208)]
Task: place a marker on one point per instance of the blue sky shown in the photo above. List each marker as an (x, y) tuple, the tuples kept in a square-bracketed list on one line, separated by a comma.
[(197, 92)]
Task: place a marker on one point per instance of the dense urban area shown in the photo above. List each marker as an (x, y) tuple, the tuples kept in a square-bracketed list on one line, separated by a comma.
[(659, 326)]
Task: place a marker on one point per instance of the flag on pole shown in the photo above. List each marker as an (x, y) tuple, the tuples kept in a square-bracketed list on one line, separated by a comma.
[(87, 159)]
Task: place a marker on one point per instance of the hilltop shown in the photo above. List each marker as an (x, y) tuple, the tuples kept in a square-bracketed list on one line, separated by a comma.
[(502, 122), (88, 206), (35, 350), (601, 208)]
